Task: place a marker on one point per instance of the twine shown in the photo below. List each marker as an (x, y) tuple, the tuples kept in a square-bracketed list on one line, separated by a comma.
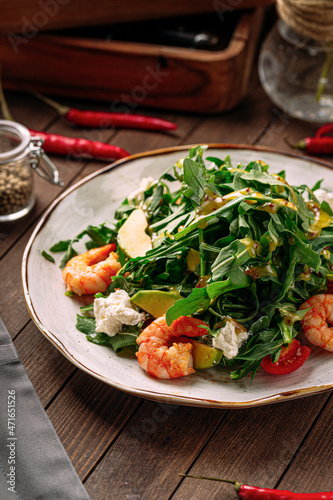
[(311, 18)]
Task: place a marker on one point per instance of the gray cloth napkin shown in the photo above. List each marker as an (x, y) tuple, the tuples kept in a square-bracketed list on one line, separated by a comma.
[(33, 463)]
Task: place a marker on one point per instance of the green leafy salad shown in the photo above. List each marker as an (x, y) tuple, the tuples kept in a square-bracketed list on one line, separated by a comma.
[(218, 241)]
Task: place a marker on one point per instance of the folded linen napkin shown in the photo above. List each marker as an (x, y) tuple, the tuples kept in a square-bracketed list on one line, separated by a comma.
[(33, 462)]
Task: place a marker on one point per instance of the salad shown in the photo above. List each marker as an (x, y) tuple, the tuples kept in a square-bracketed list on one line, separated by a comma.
[(219, 261)]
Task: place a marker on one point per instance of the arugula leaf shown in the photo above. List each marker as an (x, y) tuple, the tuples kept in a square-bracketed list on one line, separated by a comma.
[(264, 178), (96, 237), (317, 185), (70, 253), (117, 342), (156, 198), (199, 299), (248, 366), (119, 281), (259, 325), (326, 208), (195, 179), (61, 246), (259, 351), (239, 182), (47, 256), (121, 340), (325, 239), (86, 324), (126, 338), (231, 257)]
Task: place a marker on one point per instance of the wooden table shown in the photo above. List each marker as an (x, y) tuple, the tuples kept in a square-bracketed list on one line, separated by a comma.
[(130, 448)]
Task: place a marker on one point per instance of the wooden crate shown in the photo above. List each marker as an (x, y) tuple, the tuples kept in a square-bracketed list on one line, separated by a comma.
[(20, 16), (131, 75)]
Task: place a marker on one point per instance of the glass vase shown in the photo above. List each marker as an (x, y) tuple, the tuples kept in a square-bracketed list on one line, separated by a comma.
[(297, 74)]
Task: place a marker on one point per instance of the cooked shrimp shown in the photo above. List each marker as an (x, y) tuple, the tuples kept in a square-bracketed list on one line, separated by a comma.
[(91, 272), (317, 322), (157, 358)]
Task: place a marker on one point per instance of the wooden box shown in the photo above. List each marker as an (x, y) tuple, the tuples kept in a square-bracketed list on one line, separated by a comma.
[(19, 16), (130, 75)]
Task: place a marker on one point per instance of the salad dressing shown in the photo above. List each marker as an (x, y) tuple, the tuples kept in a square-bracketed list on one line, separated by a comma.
[(212, 202), (254, 194), (274, 243), (251, 245), (179, 163), (273, 207), (279, 189), (321, 219), (202, 281), (257, 272), (305, 275), (290, 318), (326, 254), (234, 169)]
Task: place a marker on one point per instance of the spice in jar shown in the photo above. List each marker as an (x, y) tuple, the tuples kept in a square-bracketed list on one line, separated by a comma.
[(16, 187)]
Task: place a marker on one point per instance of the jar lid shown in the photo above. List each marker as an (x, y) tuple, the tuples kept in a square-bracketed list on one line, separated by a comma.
[(14, 140)]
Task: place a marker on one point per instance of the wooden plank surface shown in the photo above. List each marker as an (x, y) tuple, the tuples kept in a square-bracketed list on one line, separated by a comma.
[(126, 447), (268, 442)]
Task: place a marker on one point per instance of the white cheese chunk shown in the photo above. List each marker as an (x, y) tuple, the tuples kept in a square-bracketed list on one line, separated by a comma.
[(323, 195), (228, 340), (114, 311)]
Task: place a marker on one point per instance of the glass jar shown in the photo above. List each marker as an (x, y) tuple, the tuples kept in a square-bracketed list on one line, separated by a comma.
[(297, 74), (19, 156)]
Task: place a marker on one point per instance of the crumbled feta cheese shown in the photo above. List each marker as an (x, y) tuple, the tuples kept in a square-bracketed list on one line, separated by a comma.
[(323, 195), (137, 194), (114, 311), (228, 340)]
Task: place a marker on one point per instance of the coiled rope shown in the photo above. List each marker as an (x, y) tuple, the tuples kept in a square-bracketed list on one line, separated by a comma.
[(311, 18)]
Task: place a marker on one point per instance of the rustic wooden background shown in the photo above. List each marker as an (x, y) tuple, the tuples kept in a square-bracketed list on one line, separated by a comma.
[(130, 448)]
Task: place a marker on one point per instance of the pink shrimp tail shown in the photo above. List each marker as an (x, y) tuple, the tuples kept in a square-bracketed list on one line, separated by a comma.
[(100, 253)]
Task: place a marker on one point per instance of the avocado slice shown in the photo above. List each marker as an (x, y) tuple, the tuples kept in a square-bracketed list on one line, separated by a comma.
[(204, 356), (155, 302), (132, 238)]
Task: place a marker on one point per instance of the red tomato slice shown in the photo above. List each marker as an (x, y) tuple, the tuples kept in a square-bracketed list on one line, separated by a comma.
[(291, 358)]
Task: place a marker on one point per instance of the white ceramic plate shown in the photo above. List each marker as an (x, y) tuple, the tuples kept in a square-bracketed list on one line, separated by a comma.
[(92, 201)]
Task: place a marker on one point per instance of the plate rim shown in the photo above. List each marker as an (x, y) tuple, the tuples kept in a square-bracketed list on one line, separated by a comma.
[(148, 394)]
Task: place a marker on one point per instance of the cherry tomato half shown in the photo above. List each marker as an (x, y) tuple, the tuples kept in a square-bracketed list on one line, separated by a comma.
[(291, 358)]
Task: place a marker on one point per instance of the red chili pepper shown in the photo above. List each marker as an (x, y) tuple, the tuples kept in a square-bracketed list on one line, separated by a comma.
[(246, 492), (325, 130), (82, 148), (316, 145), (291, 358), (102, 119), (99, 119)]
